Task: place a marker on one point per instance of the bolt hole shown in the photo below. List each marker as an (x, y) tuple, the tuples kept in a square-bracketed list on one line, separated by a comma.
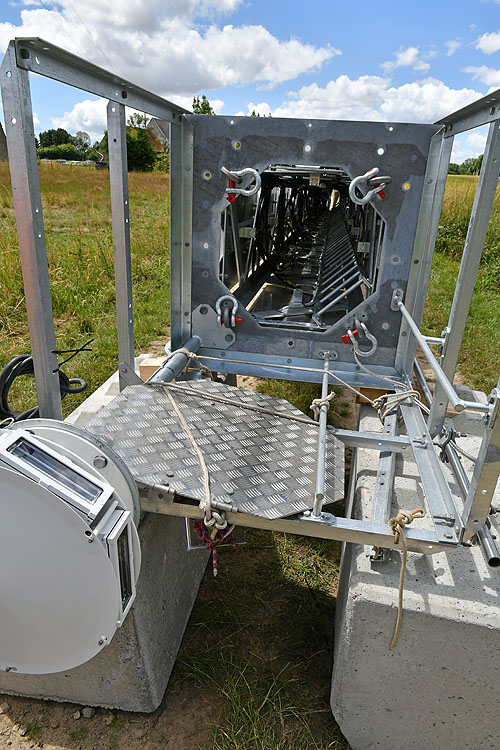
[(124, 94), (307, 148), (113, 109), (381, 151), (37, 60), (205, 245), (237, 145), (391, 128), (88, 533), (406, 186), (13, 120), (290, 342), (9, 74)]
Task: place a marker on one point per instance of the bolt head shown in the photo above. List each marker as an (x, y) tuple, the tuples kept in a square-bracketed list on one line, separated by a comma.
[(100, 462)]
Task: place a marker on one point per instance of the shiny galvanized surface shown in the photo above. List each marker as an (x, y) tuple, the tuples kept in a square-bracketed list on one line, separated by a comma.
[(261, 464)]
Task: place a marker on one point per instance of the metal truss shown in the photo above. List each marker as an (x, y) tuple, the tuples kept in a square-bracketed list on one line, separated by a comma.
[(288, 239)]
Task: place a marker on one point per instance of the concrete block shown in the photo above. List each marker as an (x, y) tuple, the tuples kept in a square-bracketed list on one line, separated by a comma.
[(435, 688), (132, 673)]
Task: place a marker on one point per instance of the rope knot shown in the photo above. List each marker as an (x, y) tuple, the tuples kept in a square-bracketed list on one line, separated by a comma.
[(404, 518), (317, 403), (397, 524)]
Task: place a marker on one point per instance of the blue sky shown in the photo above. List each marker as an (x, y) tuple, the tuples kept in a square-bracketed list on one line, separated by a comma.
[(391, 61)]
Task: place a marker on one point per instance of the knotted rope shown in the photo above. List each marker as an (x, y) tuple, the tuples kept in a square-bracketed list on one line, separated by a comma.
[(397, 525), (389, 402), (212, 543), (317, 403), (213, 518), (190, 356)]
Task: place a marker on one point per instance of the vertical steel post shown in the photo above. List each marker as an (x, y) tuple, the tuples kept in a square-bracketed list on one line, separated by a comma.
[(425, 239), (486, 470), (476, 235), (28, 208), (118, 177), (319, 494), (181, 196)]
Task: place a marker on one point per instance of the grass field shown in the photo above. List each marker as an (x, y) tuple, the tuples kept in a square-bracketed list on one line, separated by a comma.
[(478, 361), (260, 641)]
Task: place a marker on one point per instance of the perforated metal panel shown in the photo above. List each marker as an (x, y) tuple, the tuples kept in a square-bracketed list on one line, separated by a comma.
[(262, 464)]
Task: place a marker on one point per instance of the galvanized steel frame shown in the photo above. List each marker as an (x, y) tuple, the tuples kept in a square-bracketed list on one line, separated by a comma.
[(197, 197)]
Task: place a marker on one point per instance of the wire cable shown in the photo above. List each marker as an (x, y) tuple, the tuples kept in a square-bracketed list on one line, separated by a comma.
[(23, 365)]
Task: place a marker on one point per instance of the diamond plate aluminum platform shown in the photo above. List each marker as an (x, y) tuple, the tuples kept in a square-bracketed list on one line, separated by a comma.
[(261, 464)]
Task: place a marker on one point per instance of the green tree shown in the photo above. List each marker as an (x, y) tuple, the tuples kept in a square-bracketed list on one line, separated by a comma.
[(59, 151), (82, 142), (201, 106), (137, 120), (140, 154), (55, 137), (454, 168)]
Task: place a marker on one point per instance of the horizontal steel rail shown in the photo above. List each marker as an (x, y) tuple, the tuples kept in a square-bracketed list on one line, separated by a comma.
[(44, 58)]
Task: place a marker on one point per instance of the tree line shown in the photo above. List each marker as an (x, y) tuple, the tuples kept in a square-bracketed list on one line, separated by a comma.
[(141, 156), (469, 166)]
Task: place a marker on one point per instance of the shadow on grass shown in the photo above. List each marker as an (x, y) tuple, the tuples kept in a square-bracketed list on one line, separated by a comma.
[(260, 642)]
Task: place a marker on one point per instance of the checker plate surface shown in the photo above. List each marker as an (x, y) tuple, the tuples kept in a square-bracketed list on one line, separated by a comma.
[(262, 464)]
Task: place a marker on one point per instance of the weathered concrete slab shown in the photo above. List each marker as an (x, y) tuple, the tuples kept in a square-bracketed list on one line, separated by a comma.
[(436, 688), (132, 673)]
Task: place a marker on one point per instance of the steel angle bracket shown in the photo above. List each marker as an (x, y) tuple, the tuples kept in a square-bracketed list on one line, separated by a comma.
[(213, 336)]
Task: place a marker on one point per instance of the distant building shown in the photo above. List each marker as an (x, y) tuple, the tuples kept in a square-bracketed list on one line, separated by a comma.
[(3, 145)]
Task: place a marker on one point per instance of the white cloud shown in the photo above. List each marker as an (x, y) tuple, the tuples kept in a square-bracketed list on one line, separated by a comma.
[(489, 43), (409, 58), (489, 76), (162, 46), (451, 47), (374, 98), (467, 146), (262, 108), (88, 115)]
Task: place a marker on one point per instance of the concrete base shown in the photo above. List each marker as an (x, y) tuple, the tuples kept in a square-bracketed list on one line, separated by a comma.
[(436, 688), (132, 673)]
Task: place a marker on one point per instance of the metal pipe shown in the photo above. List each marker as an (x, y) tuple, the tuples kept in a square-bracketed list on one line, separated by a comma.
[(423, 383), (488, 546), (457, 403), (175, 365), (337, 299), (319, 494)]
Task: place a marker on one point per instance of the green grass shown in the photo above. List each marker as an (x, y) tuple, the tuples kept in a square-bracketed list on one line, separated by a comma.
[(478, 362), (260, 640), (77, 216)]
